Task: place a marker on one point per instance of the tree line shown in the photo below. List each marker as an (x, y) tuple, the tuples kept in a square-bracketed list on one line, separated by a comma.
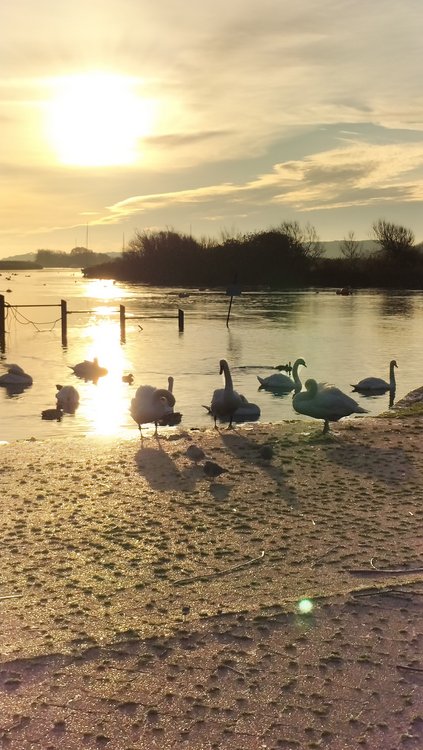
[(79, 257), (282, 257)]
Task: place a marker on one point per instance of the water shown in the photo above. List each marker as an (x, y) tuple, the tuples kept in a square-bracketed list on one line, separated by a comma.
[(342, 340)]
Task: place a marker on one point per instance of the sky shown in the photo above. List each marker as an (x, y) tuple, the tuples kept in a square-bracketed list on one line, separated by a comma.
[(216, 118)]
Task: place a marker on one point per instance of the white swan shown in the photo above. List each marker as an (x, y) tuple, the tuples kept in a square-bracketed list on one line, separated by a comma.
[(377, 385), (152, 405), (88, 370), (280, 382), (67, 398), (322, 401), (225, 401), (15, 375)]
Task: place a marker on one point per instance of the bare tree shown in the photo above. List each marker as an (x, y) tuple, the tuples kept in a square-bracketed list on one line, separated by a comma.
[(393, 238), (350, 247), (306, 238)]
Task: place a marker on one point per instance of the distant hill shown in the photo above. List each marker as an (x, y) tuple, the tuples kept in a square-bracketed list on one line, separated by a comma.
[(332, 250), (31, 257)]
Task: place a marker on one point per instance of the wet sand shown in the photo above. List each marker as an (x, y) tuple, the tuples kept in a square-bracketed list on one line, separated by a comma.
[(145, 605)]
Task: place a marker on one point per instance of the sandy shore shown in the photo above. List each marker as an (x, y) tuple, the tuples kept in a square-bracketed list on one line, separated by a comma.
[(144, 605)]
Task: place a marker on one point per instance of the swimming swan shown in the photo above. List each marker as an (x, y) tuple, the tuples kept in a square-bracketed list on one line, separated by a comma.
[(322, 401), (280, 382), (67, 398), (88, 370), (377, 385), (15, 375), (225, 401), (152, 405)]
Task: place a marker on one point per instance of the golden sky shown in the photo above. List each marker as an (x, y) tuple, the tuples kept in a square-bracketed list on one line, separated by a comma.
[(207, 118)]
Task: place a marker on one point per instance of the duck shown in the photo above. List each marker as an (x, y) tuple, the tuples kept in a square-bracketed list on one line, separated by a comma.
[(54, 413), (129, 378), (67, 398), (225, 401), (88, 370), (324, 401), (152, 405), (370, 386), (280, 382), (15, 375)]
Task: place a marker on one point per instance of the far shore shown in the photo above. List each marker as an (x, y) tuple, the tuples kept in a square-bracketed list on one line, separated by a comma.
[(145, 605)]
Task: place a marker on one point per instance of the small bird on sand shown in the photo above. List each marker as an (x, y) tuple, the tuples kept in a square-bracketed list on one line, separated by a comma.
[(195, 453), (213, 470), (266, 452)]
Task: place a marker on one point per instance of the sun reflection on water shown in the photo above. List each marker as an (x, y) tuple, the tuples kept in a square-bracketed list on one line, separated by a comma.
[(106, 404), (104, 289)]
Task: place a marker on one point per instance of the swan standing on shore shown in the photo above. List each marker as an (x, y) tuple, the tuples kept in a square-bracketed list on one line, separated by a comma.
[(152, 405), (327, 402), (280, 382), (15, 375), (225, 401), (67, 398), (377, 385)]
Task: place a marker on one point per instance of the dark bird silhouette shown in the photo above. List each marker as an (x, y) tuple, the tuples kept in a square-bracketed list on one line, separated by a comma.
[(283, 383), (52, 414), (213, 470), (89, 370), (225, 401), (369, 386)]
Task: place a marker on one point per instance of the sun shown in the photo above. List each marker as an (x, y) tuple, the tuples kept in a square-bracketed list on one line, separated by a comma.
[(97, 119)]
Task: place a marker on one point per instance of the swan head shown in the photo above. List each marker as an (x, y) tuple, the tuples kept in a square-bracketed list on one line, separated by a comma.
[(222, 366), (393, 363), (299, 362), (311, 387), (165, 396)]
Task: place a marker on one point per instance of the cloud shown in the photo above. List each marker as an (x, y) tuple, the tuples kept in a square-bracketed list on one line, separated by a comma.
[(356, 174)]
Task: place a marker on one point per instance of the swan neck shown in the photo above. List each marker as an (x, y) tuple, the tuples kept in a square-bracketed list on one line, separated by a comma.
[(227, 376), (295, 375), (392, 375)]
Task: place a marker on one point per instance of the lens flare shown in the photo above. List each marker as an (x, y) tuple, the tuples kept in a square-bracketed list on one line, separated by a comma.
[(305, 606)]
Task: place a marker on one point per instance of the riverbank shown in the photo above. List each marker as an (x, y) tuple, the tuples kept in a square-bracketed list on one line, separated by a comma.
[(153, 607)]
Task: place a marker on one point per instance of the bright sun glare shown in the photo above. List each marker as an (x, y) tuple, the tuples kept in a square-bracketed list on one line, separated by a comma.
[(97, 119)]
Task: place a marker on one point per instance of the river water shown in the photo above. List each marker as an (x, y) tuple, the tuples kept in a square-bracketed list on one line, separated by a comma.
[(342, 339)]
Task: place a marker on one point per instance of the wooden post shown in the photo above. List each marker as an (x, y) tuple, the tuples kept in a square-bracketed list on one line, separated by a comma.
[(122, 319), (64, 320), (229, 312), (2, 324), (180, 321)]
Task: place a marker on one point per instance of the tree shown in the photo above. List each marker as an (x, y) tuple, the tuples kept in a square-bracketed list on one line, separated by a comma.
[(393, 239), (350, 247), (306, 239)]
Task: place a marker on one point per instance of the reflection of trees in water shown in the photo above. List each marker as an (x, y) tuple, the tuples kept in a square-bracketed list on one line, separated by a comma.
[(395, 304), (271, 306), (234, 347)]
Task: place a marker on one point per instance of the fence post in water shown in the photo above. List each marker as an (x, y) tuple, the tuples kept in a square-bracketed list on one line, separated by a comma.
[(2, 325), (64, 320), (122, 319), (180, 321)]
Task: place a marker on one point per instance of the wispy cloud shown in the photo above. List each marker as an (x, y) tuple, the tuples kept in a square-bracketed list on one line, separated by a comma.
[(357, 174)]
